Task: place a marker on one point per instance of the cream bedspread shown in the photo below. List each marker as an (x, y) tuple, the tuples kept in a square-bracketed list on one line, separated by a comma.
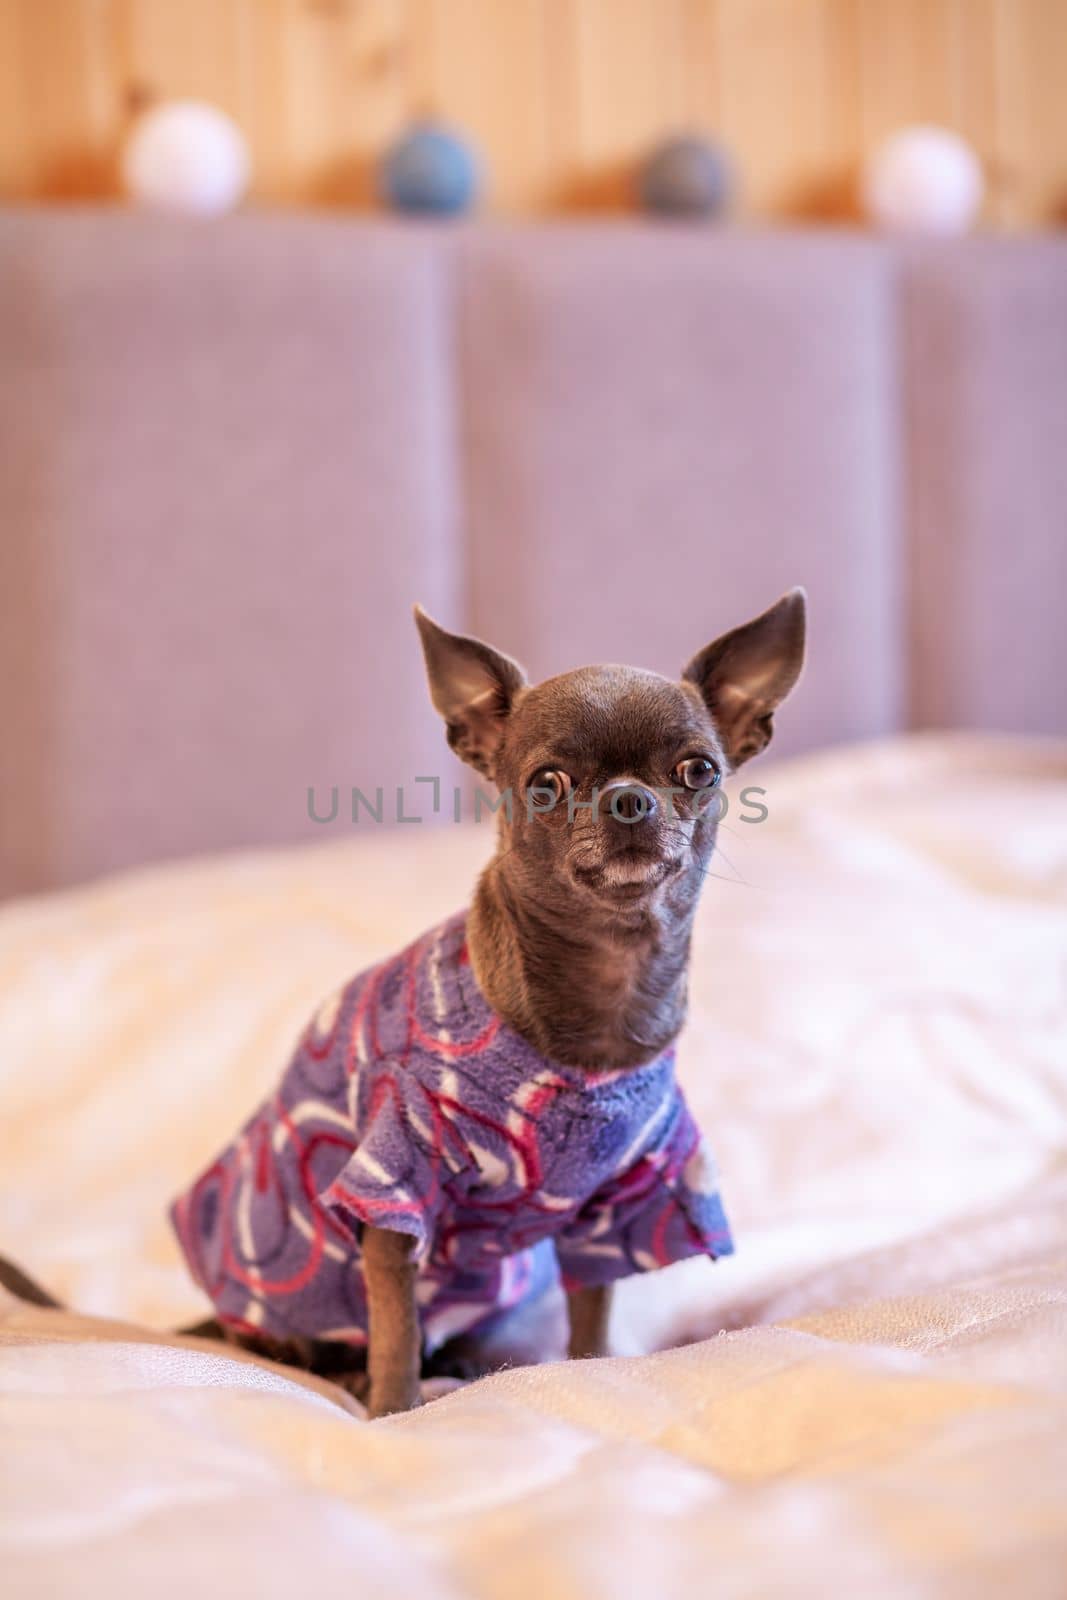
[(871, 1397)]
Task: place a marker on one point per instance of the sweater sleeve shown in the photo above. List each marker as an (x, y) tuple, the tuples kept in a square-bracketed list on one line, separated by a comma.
[(393, 1177), (664, 1207)]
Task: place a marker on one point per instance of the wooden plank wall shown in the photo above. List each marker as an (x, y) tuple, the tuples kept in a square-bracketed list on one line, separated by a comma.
[(562, 95)]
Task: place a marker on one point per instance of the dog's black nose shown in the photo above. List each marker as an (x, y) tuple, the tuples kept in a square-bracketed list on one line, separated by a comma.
[(628, 803)]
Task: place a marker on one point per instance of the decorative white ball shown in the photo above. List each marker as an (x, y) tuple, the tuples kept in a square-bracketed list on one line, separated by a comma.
[(186, 156), (924, 180)]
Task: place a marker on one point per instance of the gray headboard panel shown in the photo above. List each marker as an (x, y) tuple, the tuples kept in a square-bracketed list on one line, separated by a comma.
[(226, 469), (668, 429)]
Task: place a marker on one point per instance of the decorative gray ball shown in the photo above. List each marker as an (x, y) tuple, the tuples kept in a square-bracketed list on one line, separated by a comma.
[(430, 171), (686, 178)]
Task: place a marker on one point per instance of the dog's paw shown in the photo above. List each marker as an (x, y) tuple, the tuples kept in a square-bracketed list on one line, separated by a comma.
[(391, 1402)]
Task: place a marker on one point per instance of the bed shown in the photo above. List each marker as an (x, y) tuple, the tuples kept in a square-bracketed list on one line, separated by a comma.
[(231, 456), (871, 1397)]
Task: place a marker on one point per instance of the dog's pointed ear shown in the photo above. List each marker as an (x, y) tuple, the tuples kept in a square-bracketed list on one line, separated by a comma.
[(473, 687), (747, 673)]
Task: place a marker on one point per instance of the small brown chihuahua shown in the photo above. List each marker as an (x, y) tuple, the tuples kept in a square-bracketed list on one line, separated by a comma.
[(506, 1083)]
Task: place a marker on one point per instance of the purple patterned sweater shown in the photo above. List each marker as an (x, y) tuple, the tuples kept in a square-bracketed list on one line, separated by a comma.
[(409, 1104)]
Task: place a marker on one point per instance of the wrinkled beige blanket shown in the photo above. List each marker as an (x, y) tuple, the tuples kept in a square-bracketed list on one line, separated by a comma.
[(878, 1050)]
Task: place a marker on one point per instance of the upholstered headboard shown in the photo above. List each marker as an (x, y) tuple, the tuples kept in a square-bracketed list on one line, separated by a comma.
[(232, 454)]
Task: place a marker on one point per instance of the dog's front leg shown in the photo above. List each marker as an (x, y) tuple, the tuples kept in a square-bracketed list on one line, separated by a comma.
[(395, 1342), (590, 1311)]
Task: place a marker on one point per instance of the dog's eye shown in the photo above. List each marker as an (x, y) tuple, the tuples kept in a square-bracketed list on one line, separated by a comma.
[(548, 787), (699, 772)]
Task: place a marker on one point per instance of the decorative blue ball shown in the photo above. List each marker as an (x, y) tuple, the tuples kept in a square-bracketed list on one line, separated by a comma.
[(686, 177), (430, 171)]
